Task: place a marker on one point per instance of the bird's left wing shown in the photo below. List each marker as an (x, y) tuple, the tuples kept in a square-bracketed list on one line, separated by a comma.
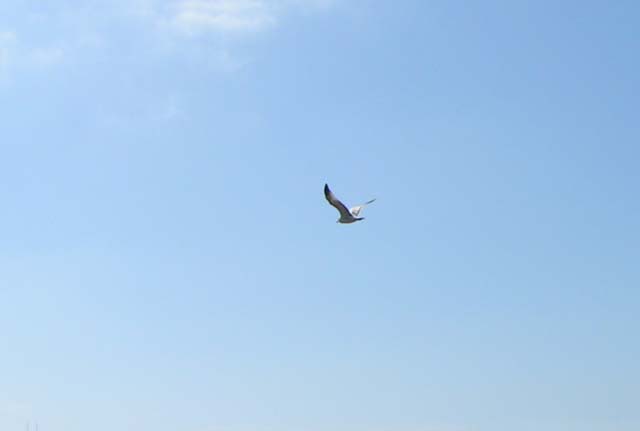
[(335, 202)]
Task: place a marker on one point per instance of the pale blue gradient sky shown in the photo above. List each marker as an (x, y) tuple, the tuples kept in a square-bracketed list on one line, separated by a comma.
[(168, 261)]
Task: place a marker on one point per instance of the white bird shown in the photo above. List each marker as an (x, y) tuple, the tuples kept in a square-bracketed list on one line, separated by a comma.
[(346, 215)]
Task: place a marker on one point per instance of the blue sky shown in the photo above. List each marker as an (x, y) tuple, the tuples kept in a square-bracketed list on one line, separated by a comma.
[(168, 260)]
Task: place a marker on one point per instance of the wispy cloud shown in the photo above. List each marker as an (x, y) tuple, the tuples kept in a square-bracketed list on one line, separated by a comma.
[(71, 33), (228, 17), (195, 16), (46, 56), (14, 54), (7, 42)]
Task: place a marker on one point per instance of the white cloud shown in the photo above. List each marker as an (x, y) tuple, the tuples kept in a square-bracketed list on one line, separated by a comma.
[(213, 30), (196, 16), (228, 17), (312, 5)]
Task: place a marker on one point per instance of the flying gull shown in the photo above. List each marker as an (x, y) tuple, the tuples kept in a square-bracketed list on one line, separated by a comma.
[(346, 215)]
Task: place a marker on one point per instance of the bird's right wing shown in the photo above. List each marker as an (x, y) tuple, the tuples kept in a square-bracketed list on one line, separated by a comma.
[(357, 209), (333, 200)]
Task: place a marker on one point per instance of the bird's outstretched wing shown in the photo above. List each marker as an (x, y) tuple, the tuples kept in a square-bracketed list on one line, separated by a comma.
[(333, 200), (355, 211)]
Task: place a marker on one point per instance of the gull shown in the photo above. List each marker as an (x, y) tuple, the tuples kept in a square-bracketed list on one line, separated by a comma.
[(346, 215)]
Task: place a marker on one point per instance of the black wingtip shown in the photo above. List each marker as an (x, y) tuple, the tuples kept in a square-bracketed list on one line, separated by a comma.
[(327, 193)]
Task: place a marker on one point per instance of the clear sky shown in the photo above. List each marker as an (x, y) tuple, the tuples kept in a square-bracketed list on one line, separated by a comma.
[(168, 261)]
